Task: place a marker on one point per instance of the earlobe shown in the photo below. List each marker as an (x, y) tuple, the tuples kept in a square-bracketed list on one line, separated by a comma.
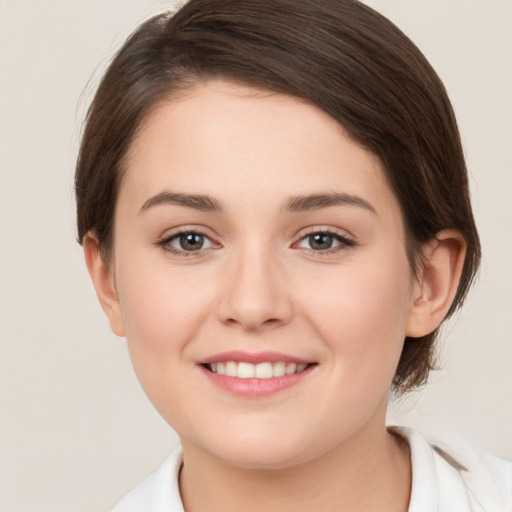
[(102, 276), (437, 285)]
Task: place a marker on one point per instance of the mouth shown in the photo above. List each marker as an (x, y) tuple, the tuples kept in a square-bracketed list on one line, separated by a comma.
[(264, 370), (256, 375)]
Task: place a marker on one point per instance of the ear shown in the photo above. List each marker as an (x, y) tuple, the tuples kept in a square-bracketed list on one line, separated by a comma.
[(103, 278), (437, 285)]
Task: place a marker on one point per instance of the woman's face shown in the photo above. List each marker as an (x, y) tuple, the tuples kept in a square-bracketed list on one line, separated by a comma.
[(253, 238)]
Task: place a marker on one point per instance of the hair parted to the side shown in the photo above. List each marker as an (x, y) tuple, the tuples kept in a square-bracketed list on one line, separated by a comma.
[(339, 55)]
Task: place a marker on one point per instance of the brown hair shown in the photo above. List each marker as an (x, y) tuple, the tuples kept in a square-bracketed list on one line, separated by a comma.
[(337, 54)]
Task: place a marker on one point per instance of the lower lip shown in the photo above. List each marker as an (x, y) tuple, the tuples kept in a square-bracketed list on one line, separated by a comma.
[(256, 387)]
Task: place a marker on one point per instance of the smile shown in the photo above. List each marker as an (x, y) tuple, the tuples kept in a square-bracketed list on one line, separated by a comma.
[(253, 375), (265, 370)]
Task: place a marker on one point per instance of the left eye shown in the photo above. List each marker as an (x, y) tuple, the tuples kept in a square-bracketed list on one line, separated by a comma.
[(323, 241), (188, 242)]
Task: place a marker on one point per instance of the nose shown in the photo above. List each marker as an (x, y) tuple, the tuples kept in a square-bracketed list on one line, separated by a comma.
[(256, 296)]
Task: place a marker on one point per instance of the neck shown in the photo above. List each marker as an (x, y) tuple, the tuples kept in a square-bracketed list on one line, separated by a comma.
[(369, 472)]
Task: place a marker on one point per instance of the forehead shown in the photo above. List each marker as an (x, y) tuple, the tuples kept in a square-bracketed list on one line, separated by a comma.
[(234, 141)]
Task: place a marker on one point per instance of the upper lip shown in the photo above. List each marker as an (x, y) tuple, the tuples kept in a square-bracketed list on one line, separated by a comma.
[(239, 356)]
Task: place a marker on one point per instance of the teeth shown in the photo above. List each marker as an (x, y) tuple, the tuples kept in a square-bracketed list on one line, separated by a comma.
[(263, 371), (290, 368), (231, 369), (279, 369), (259, 371), (245, 371)]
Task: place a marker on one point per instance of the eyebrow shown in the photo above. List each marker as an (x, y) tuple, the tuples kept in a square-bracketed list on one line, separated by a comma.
[(307, 202), (298, 203), (195, 201)]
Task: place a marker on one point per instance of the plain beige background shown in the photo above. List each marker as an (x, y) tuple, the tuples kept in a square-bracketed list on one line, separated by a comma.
[(76, 431)]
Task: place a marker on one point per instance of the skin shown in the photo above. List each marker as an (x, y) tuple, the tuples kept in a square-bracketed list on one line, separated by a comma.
[(258, 285)]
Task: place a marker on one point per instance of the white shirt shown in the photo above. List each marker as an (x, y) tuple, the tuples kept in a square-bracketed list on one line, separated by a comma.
[(448, 476)]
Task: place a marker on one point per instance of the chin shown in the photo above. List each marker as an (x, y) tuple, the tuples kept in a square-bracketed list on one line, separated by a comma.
[(256, 459), (264, 451)]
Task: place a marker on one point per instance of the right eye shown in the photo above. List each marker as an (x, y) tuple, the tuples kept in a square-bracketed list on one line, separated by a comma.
[(186, 242)]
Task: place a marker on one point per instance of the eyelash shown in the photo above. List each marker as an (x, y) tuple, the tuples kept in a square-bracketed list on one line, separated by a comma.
[(343, 243), (165, 243)]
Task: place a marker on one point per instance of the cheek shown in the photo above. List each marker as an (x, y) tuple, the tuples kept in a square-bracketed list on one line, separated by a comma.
[(362, 313), (163, 313), (162, 308)]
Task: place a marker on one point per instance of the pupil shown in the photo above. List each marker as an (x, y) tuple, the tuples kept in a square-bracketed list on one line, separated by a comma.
[(191, 241), (320, 241)]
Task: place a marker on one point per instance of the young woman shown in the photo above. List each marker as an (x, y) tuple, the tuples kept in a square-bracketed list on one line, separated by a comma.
[(274, 209)]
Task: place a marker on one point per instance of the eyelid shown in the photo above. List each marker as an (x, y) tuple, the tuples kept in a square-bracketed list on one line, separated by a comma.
[(345, 239), (169, 236), (323, 228), (177, 236)]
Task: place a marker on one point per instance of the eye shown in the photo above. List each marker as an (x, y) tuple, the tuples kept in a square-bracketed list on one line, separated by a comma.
[(324, 241), (189, 241), (186, 242)]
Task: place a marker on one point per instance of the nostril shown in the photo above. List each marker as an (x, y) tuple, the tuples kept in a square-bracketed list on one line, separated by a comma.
[(254, 306)]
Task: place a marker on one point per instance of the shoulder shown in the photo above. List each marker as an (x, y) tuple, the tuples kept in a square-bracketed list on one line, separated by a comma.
[(452, 475), (159, 492)]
